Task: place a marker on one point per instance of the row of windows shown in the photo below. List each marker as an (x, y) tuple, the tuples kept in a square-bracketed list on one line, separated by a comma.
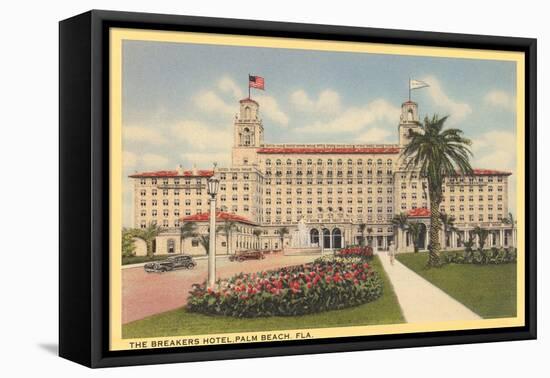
[(309, 210), (329, 172), (320, 200), (359, 218), (480, 198), (472, 208), (168, 181), (290, 181), (329, 162), (480, 189)]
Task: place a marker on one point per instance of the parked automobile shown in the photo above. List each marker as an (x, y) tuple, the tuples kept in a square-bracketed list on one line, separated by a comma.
[(247, 255), (170, 263)]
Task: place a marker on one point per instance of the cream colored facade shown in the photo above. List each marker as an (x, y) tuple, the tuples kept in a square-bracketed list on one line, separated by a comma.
[(331, 188)]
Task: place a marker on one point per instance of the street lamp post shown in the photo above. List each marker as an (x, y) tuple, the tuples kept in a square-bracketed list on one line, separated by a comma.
[(213, 184)]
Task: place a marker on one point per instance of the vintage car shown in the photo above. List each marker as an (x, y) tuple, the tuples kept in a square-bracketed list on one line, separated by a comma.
[(170, 263), (247, 255)]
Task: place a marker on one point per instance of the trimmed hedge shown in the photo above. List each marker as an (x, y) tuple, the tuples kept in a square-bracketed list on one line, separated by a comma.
[(492, 256), (325, 284)]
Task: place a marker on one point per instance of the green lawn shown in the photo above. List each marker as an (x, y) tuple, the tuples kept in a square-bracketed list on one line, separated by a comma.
[(384, 310), (488, 290)]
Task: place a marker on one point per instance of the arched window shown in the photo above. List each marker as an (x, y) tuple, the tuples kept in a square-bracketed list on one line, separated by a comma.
[(339, 162), (278, 162), (350, 162), (171, 246), (319, 162), (314, 236), (309, 162), (389, 162), (288, 162), (247, 112), (369, 162), (299, 162), (329, 162), (360, 162), (410, 115), (336, 238), (379, 161), (268, 162)]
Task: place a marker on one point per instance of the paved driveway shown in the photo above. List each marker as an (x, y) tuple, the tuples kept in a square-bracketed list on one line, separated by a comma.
[(145, 294)]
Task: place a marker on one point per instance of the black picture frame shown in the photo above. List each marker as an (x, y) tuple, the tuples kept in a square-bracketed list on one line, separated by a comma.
[(84, 183)]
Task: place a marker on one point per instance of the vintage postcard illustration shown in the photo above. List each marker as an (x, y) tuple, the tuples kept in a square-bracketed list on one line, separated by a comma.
[(268, 189)]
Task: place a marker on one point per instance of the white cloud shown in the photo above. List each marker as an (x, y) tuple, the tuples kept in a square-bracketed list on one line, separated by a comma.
[(375, 135), (211, 102), (270, 108), (355, 119), (149, 135), (228, 85), (456, 110), (328, 101), (500, 99), (198, 136), (495, 149), (206, 159), (140, 161)]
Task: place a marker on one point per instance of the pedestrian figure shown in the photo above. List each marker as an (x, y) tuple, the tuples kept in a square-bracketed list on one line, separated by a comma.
[(391, 252)]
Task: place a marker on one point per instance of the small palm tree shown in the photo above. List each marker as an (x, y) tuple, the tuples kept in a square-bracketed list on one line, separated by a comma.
[(437, 153), (148, 235), (204, 240), (282, 232), (257, 232), (401, 222), (187, 230), (362, 228), (448, 223), (415, 229), (482, 235), (369, 232), (511, 221), (227, 229)]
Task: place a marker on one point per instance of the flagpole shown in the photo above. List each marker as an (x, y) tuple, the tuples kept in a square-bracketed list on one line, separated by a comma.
[(249, 85), (409, 89)]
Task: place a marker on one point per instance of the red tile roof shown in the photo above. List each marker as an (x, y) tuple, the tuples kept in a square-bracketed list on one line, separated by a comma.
[(329, 150), (220, 216), (490, 172), (200, 173), (419, 212)]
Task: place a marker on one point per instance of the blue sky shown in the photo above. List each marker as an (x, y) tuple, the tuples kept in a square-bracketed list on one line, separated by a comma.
[(179, 101)]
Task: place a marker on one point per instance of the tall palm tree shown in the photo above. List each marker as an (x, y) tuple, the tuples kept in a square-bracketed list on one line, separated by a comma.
[(187, 230), (227, 229), (400, 221), (148, 235), (448, 223), (362, 228), (415, 229), (257, 232), (437, 153), (511, 221), (282, 232)]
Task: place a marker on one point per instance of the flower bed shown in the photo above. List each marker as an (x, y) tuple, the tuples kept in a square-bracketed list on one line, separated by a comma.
[(325, 284), (356, 251)]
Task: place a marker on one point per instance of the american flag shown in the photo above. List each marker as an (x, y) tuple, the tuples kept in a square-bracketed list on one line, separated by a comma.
[(256, 82)]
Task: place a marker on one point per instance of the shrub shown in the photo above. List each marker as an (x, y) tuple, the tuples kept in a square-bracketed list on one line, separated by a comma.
[(354, 251), (485, 257), (325, 284)]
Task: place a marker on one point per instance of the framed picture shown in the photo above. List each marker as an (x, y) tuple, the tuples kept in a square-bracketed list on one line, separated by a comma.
[(234, 188)]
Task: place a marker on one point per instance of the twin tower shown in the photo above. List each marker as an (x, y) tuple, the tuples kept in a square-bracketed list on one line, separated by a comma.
[(248, 130)]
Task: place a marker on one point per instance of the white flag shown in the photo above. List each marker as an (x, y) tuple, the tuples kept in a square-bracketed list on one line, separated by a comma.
[(417, 84)]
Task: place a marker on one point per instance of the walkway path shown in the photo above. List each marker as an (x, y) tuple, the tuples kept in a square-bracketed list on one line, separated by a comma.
[(420, 300)]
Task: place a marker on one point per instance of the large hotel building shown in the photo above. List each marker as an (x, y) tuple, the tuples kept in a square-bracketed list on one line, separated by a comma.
[(328, 190)]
